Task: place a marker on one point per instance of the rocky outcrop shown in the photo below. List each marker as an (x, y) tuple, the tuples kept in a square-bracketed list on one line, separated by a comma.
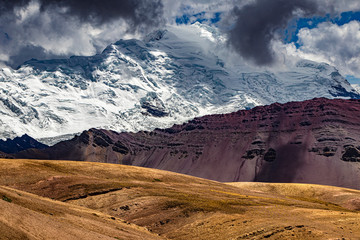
[(314, 141), (352, 154)]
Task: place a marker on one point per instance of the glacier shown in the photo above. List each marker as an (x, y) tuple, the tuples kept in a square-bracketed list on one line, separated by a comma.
[(169, 77)]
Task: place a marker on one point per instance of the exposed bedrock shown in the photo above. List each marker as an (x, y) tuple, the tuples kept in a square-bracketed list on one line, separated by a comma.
[(314, 141)]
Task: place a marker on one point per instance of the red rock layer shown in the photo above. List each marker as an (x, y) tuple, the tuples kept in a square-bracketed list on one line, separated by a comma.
[(315, 141)]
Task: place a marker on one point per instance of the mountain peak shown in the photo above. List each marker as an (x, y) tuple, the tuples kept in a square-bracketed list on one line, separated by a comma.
[(171, 77)]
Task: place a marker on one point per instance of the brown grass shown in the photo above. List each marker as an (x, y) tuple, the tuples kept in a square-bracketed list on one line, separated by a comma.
[(173, 205)]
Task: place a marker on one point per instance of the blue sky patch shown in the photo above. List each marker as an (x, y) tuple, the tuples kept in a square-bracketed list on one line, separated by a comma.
[(293, 28), (353, 80), (198, 17)]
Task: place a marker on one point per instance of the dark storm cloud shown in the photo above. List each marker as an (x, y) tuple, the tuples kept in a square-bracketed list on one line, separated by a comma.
[(136, 12), (60, 28), (9, 5), (257, 25)]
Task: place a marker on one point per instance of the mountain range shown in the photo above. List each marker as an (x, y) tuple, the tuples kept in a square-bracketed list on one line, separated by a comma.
[(244, 137), (313, 141), (169, 77), (213, 126)]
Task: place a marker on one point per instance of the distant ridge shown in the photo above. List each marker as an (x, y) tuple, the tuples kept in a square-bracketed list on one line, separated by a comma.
[(20, 144), (314, 141)]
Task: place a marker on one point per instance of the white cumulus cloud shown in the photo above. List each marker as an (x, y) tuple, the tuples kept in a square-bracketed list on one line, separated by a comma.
[(330, 43)]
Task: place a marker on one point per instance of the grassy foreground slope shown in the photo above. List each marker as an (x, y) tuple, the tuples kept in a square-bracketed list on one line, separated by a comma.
[(83, 200), (27, 216)]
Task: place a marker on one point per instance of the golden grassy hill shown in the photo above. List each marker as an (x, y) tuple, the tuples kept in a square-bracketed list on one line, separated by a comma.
[(83, 200), (27, 216)]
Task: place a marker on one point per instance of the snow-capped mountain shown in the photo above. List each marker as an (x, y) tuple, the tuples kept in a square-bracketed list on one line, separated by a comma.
[(170, 77)]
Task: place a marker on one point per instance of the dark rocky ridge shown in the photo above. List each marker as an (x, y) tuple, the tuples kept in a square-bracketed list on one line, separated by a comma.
[(315, 141), (19, 144)]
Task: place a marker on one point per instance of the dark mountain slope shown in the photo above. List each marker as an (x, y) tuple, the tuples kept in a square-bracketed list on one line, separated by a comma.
[(19, 144), (315, 141)]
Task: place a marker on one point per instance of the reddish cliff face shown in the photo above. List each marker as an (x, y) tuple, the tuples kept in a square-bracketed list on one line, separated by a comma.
[(315, 141)]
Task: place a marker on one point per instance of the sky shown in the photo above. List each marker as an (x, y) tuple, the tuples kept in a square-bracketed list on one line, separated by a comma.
[(264, 33)]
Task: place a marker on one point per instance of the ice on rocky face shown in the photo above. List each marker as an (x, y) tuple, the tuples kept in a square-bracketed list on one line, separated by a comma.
[(170, 77)]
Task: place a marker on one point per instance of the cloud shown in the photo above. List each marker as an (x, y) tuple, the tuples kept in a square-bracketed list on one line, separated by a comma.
[(338, 6), (136, 12), (259, 26), (46, 29), (258, 23), (173, 9), (330, 43)]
